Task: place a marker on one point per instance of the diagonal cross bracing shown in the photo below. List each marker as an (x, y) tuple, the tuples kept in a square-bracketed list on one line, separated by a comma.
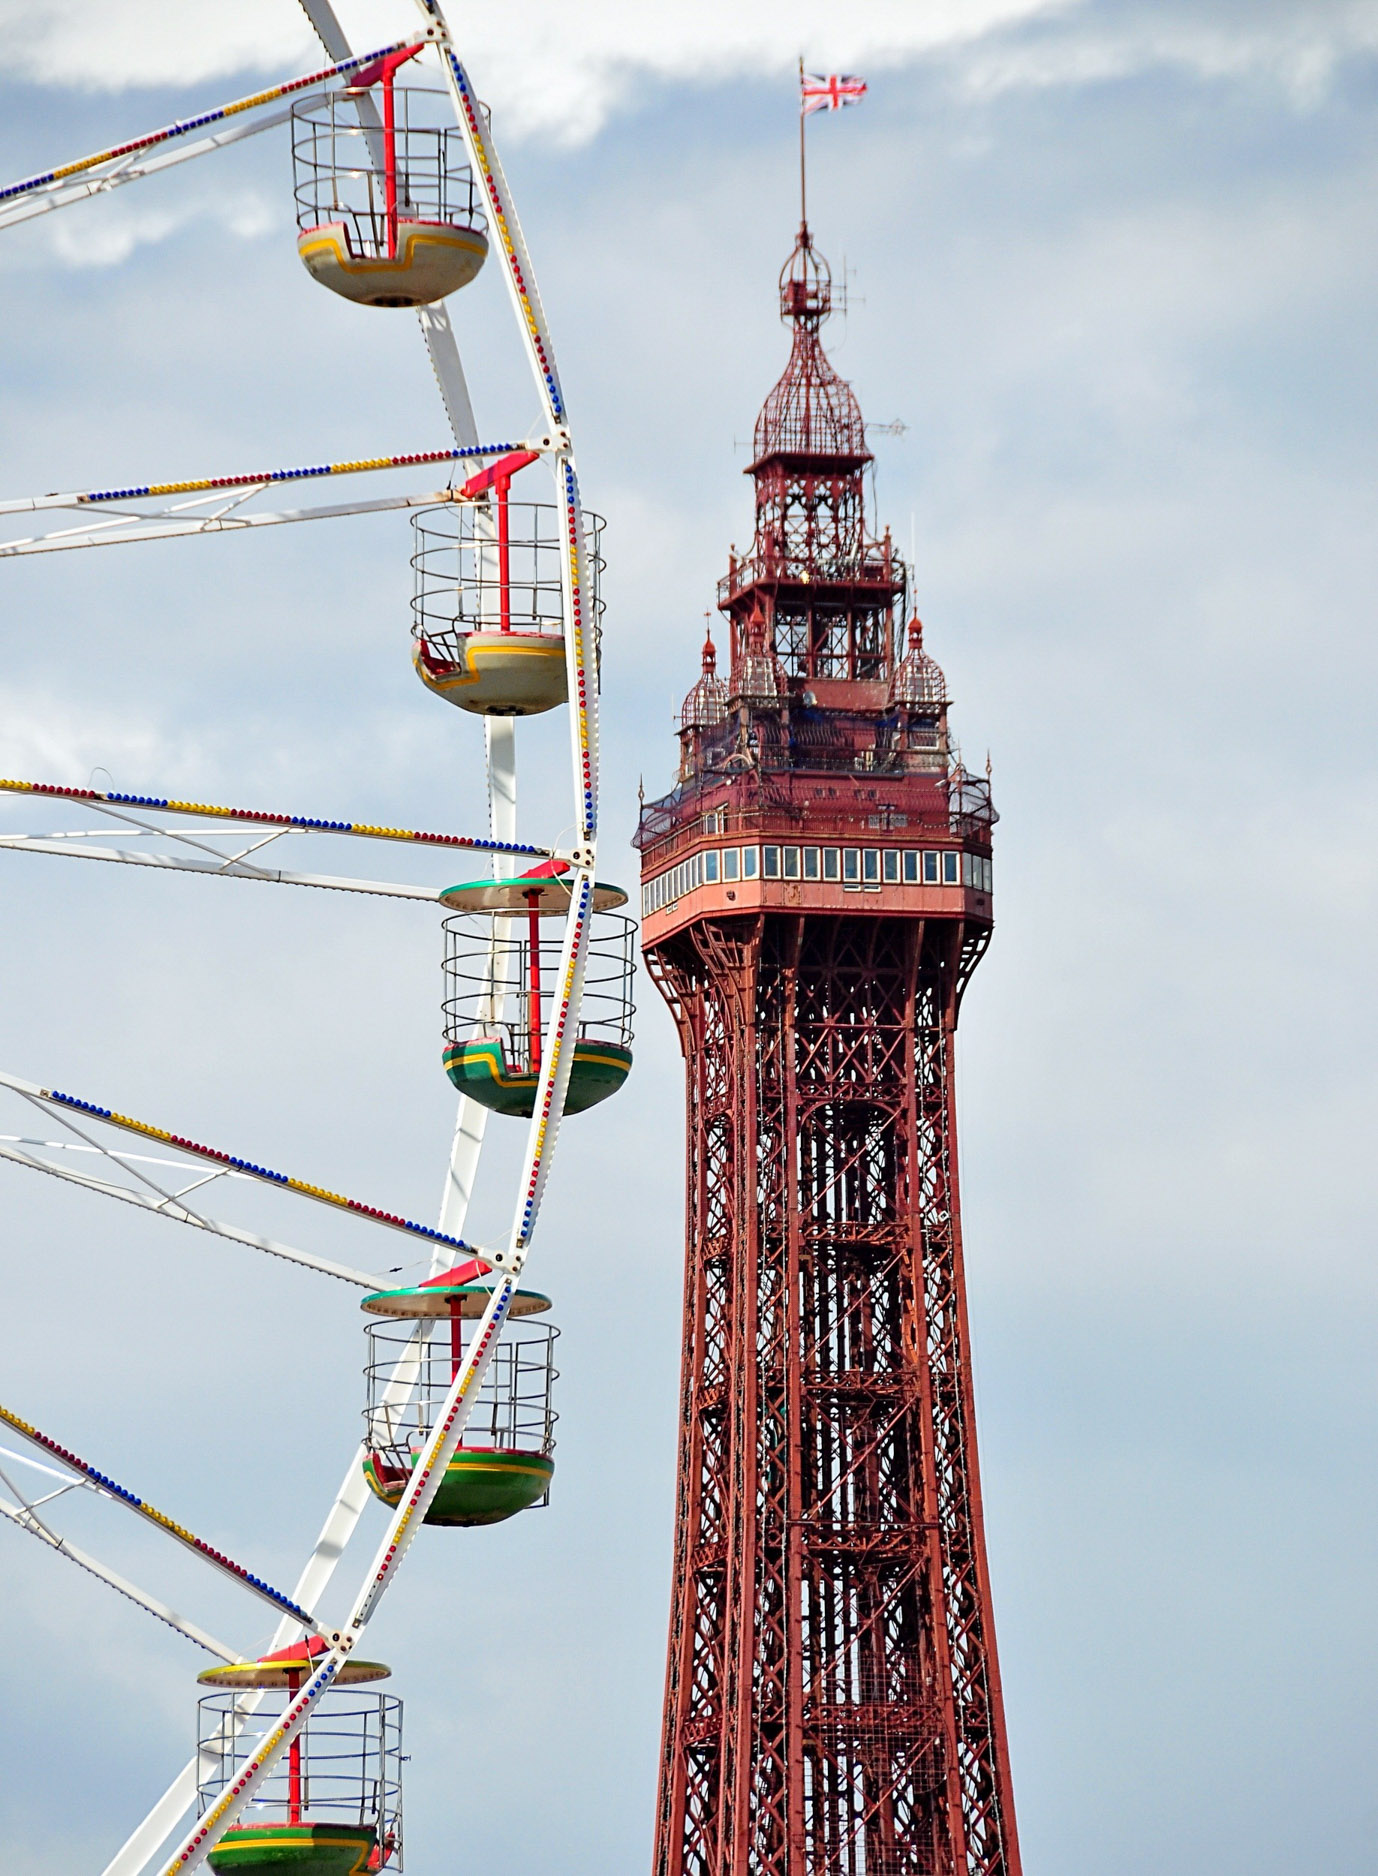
[(27, 1519), (284, 1604), (264, 817), (362, 465), (167, 1205), (85, 165), (63, 1105)]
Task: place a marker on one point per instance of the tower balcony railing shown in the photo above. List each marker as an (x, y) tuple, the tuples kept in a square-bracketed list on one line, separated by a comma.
[(875, 567), (672, 828)]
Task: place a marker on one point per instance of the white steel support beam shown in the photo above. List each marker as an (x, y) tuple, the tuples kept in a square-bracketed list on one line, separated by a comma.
[(28, 1520), (132, 169), (449, 372), (107, 166), (67, 1110), (228, 868), (181, 1215), (177, 526)]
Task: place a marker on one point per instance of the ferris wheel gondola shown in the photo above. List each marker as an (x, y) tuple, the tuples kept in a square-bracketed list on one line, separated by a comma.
[(401, 199)]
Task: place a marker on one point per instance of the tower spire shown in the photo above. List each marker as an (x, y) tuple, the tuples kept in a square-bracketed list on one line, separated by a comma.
[(803, 187)]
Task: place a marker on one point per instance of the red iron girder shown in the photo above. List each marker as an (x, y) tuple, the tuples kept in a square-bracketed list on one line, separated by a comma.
[(832, 1703)]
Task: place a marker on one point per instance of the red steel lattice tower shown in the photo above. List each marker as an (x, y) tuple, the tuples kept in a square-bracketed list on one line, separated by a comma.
[(816, 892)]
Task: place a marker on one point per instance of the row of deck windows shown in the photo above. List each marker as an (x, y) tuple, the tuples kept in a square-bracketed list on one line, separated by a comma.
[(855, 869)]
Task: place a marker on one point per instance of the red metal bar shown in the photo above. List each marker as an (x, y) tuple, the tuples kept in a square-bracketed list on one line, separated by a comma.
[(504, 466), (382, 72), (501, 485), (294, 1681), (390, 160), (456, 1336), (533, 945), (498, 477)]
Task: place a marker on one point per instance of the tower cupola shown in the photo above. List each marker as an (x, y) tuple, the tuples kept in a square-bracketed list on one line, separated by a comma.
[(918, 683), (706, 704)]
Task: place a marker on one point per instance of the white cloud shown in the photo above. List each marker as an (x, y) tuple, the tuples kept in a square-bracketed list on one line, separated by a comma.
[(142, 42), (46, 737), (547, 67), (562, 72), (573, 68), (109, 241), (110, 238), (1296, 47)]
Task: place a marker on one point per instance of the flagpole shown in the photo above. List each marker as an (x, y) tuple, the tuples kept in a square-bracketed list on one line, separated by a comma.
[(803, 197)]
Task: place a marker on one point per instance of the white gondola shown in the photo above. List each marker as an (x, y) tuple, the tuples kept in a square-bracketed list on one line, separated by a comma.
[(488, 598), (387, 212)]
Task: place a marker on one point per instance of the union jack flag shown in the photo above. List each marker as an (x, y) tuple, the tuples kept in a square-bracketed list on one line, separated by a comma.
[(832, 93)]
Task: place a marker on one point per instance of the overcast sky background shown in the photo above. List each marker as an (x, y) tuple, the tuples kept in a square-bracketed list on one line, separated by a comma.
[(1114, 266)]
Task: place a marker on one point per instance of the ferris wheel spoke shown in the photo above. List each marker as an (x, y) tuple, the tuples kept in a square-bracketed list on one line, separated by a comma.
[(149, 1836), (449, 371), (64, 1108), (119, 525), (230, 868), (471, 1120), (358, 465), (119, 1494), (83, 1559), (500, 748), (122, 807), (165, 1208), (331, 35), (130, 169), (106, 167), (511, 244), (177, 527), (465, 1151)]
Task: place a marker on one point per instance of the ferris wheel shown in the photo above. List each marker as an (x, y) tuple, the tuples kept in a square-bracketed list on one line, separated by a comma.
[(400, 201)]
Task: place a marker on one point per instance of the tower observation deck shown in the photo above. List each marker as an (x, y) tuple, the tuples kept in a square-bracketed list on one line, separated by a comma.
[(816, 892)]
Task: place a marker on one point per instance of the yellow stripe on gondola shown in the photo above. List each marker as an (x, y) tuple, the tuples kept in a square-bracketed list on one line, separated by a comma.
[(244, 1848), (474, 1465), (276, 1843), (538, 1463)]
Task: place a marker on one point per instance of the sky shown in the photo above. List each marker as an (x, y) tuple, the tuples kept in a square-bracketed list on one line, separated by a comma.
[(1113, 268)]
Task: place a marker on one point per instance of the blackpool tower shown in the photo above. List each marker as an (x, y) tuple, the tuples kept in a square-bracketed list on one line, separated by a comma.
[(816, 892)]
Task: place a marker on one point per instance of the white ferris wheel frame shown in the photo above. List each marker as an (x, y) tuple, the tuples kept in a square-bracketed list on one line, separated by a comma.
[(223, 504)]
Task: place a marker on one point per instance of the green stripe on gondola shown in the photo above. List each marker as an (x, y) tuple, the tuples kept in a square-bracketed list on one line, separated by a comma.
[(307, 1849), (480, 1069), (478, 1487)]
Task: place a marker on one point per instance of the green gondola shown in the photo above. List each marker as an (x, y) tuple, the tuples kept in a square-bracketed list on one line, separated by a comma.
[(481, 1486), (302, 1849), (480, 1068)]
